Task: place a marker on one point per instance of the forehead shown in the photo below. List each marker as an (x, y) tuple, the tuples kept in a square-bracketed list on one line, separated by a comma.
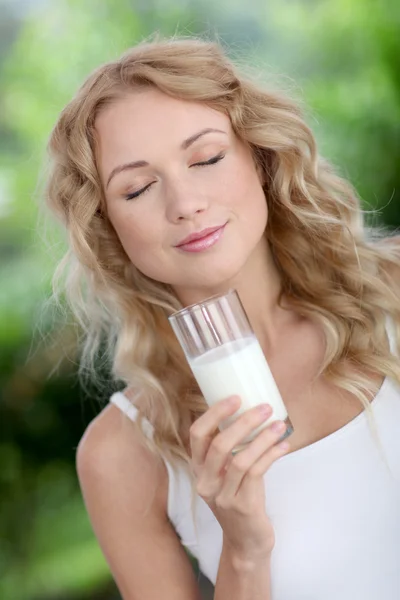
[(149, 115)]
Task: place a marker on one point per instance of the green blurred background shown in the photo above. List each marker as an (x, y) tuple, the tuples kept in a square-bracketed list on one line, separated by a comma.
[(342, 57)]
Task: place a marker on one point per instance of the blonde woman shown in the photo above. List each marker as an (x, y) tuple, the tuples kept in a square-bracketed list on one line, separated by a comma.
[(168, 145)]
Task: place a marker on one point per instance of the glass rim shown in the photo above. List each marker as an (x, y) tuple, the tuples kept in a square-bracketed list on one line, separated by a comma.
[(204, 302)]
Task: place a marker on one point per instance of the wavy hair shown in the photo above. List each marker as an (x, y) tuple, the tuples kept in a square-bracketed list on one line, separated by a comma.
[(334, 269)]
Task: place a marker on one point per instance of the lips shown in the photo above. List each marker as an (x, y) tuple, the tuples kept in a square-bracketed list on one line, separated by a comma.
[(209, 237), (199, 235)]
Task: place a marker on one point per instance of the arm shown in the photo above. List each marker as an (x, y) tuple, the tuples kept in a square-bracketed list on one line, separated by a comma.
[(125, 492), (238, 579)]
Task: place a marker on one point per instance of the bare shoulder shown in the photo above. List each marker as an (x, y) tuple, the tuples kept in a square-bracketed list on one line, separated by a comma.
[(125, 489), (110, 447)]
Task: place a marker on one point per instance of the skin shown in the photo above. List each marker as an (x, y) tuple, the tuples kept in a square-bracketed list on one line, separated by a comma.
[(185, 197)]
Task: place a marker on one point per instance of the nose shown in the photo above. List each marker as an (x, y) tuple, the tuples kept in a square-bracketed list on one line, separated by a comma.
[(184, 204)]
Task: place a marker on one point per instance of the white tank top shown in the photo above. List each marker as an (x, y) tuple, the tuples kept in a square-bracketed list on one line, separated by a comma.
[(334, 505)]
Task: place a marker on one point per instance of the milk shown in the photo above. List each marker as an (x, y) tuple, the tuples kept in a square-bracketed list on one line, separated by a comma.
[(239, 368)]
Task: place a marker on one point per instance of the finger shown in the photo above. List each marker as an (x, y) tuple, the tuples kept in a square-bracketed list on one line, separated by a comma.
[(205, 427), (220, 449), (252, 462), (249, 488), (265, 461)]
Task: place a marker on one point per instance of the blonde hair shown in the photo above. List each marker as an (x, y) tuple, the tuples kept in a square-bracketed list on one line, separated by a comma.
[(334, 269)]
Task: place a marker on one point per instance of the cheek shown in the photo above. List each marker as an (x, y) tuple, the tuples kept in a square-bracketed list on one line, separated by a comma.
[(247, 192), (137, 232)]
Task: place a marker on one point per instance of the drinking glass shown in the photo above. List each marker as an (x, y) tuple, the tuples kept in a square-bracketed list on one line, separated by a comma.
[(226, 358)]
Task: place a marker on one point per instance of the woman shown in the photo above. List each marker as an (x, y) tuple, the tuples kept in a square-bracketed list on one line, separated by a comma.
[(158, 146)]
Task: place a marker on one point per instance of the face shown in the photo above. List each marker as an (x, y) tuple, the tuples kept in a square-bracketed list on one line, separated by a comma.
[(172, 168)]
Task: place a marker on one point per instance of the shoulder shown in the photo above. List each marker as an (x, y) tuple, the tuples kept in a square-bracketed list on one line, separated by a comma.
[(111, 456)]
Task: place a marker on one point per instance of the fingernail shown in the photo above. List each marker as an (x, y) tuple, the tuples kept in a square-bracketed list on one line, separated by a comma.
[(264, 409)]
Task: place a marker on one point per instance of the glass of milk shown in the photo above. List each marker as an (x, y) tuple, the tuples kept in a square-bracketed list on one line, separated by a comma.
[(226, 358)]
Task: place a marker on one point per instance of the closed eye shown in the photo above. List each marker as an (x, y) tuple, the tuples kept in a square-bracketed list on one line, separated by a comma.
[(139, 192), (211, 161)]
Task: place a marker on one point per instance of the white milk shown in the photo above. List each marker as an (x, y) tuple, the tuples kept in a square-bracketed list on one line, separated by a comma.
[(239, 368)]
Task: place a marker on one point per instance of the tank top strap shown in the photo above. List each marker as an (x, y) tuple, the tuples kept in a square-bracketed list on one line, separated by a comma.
[(177, 480), (131, 411)]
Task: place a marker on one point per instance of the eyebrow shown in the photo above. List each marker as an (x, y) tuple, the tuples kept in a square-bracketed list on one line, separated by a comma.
[(142, 163)]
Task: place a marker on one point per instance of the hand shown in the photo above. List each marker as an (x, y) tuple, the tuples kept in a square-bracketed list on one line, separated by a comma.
[(233, 486)]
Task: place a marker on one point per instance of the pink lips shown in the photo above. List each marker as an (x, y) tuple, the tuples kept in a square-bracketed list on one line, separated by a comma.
[(201, 240)]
